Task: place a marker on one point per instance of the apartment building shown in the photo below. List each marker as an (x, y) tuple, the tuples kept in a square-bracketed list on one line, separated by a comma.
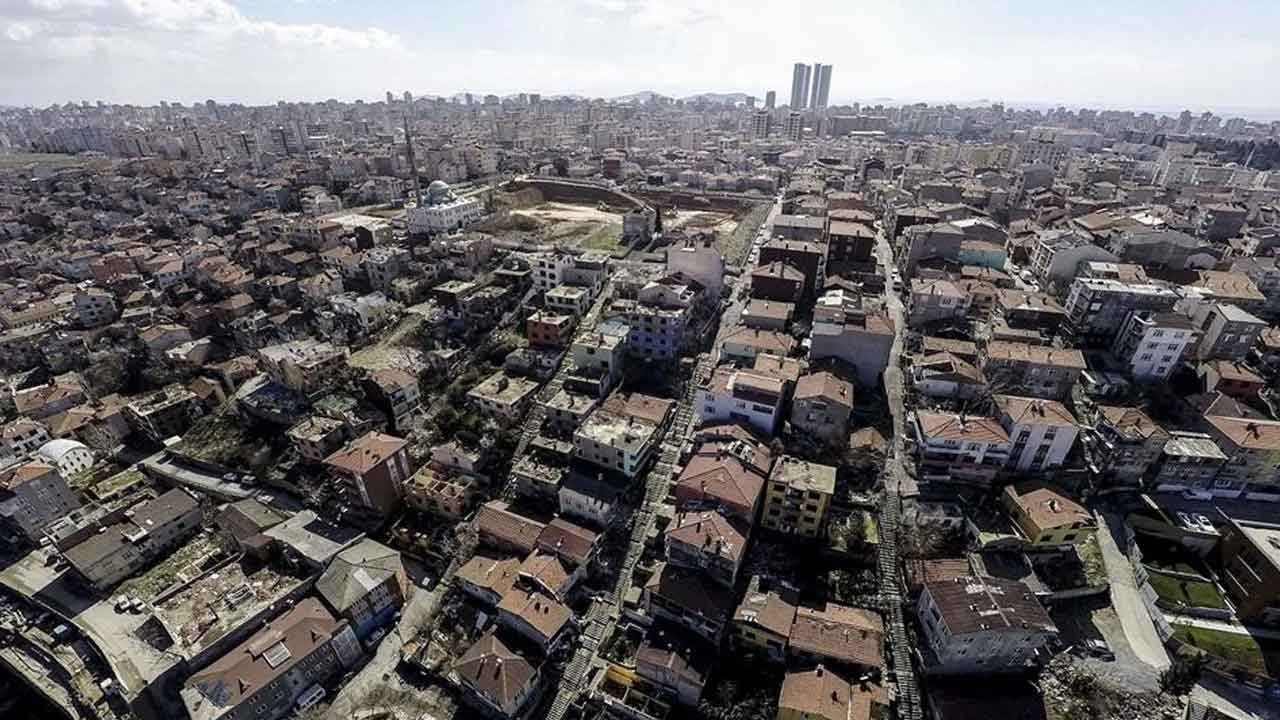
[(1037, 370), (496, 680), (934, 302), (317, 437), (1225, 331), (622, 434), (302, 365), (687, 598), (762, 623), (376, 467), (502, 396), (821, 407), (1249, 557), (707, 541), (281, 668), (727, 470), (1123, 444), (746, 396), (958, 447), (33, 496), (1151, 344), (148, 530), (1252, 447), (398, 393), (549, 329), (798, 496), (983, 625), (1043, 432), (1097, 307)]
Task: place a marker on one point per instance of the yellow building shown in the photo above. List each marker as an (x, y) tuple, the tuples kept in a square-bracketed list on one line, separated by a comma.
[(762, 624), (1046, 516), (798, 496)]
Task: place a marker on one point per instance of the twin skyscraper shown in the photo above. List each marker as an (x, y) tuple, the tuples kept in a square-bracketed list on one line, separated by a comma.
[(803, 78)]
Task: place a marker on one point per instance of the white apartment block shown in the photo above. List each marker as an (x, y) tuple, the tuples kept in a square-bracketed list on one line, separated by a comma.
[(1042, 432), (1151, 344)]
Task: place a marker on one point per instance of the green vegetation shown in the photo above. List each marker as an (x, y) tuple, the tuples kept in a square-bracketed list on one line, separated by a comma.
[(734, 245), (1180, 677), (1095, 570), (226, 440), (182, 565), (1173, 589), (1257, 654)]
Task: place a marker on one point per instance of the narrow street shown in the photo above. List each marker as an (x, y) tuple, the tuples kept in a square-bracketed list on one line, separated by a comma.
[(1125, 597), (896, 482)]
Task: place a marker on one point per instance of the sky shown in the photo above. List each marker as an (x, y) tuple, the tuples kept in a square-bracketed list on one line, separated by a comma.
[(1140, 54)]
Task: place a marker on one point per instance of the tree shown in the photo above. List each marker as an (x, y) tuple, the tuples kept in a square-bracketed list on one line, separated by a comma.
[(1181, 676)]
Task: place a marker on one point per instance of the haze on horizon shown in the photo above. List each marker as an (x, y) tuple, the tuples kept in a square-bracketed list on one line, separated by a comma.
[(1137, 55)]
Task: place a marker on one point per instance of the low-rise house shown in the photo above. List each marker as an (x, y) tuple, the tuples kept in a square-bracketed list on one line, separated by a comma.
[(821, 406), (743, 344), (317, 437), (684, 597), (838, 635), (983, 625), (677, 662), (762, 624), (592, 495), (767, 315), (22, 437), (1230, 378), (575, 545), (503, 397), (497, 681), (822, 694), (798, 496), (944, 375), (1046, 516), (281, 668), (707, 541), (1043, 432), (487, 579), (376, 466), (245, 521), (538, 618), (365, 584), (506, 530)]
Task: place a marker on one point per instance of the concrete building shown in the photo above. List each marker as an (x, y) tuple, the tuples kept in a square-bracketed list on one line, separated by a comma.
[(1097, 307), (762, 623), (959, 448), (707, 541), (496, 680), (302, 365), (503, 397), (443, 211), (1151, 344), (1123, 444), (797, 497), (280, 669), (375, 466), (1036, 370), (366, 585), (983, 625), (1043, 432), (800, 76), (823, 694), (1252, 447), (1045, 516), (148, 530), (936, 302), (1225, 332), (1249, 557), (622, 434), (33, 496), (1189, 461), (821, 406), (744, 396), (862, 339)]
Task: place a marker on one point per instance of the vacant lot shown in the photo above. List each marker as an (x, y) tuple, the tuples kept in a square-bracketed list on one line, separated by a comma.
[(1195, 593)]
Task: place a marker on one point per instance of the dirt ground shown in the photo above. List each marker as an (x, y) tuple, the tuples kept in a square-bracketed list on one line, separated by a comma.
[(597, 228)]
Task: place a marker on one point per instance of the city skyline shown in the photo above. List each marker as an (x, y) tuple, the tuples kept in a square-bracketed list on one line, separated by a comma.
[(258, 52)]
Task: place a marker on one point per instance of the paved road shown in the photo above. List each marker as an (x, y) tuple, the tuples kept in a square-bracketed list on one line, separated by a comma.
[(1125, 598), (1223, 626)]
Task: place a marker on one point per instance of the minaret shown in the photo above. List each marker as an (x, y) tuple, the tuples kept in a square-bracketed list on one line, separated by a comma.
[(417, 184), (413, 166)]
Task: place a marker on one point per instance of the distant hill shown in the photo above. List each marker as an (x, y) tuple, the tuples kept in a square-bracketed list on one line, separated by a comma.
[(643, 96)]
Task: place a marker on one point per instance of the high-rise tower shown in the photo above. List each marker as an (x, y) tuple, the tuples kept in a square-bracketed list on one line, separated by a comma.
[(799, 86)]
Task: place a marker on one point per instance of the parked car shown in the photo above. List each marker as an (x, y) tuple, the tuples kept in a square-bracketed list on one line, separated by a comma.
[(1100, 650), (1197, 494)]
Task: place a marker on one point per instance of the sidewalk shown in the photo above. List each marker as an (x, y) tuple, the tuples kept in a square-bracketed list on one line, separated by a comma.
[(1138, 628), (1222, 626)]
